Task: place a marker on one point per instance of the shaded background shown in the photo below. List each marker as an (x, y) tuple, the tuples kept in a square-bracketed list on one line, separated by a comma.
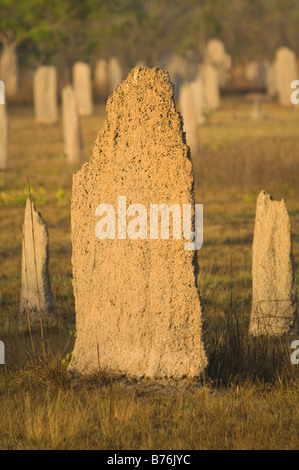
[(61, 32)]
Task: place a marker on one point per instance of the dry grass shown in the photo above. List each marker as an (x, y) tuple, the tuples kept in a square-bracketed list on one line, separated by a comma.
[(248, 397), (43, 408)]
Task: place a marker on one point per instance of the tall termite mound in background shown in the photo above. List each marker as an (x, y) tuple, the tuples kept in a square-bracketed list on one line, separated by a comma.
[(36, 294), (274, 306)]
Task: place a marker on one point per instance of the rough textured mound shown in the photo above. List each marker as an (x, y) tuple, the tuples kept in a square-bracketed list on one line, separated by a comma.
[(138, 308), (274, 307), (35, 247)]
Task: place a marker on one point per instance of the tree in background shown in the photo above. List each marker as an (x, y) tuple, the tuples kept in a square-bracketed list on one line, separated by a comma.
[(63, 31)]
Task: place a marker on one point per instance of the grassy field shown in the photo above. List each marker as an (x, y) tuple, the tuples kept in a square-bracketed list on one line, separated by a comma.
[(249, 394)]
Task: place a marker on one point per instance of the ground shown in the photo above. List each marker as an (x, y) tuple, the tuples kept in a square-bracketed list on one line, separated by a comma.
[(249, 394)]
